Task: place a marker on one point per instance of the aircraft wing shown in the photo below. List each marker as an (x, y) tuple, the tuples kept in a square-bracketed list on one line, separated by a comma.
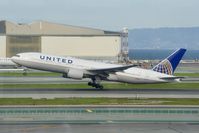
[(106, 71)]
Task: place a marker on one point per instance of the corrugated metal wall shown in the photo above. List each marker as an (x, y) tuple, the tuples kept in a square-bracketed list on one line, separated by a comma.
[(2, 46), (104, 46)]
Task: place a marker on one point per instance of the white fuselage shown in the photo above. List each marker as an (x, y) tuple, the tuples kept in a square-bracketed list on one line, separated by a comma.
[(63, 64)]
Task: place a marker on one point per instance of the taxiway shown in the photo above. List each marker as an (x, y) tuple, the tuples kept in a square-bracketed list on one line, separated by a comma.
[(95, 93), (57, 80), (99, 119)]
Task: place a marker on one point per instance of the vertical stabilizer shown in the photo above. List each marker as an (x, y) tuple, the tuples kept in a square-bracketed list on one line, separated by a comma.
[(169, 64)]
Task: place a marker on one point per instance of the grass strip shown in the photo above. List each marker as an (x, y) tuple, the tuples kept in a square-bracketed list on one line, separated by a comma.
[(184, 86), (99, 101), (187, 74)]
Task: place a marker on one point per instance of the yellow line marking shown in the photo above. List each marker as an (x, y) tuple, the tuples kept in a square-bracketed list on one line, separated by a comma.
[(88, 110)]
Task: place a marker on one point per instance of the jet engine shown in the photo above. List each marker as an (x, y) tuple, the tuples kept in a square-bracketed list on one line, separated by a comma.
[(74, 74)]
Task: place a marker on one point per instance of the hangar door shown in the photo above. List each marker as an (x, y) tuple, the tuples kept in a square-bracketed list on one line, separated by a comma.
[(19, 44), (106, 46)]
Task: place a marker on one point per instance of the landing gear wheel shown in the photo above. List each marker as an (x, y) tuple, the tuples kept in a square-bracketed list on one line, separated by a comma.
[(89, 83), (96, 82), (96, 85), (101, 87)]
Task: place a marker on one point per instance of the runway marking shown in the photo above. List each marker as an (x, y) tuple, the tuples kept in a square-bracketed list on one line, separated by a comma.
[(89, 110)]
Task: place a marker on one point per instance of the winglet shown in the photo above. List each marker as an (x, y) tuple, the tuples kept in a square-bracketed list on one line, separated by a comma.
[(169, 64)]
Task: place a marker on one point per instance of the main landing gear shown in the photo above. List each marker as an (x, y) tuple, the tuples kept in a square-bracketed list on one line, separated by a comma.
[(96, 83)]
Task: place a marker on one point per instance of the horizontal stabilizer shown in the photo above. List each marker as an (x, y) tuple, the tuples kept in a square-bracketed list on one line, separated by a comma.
[(172, 78)]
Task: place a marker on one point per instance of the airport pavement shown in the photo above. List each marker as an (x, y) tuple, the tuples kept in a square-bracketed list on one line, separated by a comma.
[(57, 80), (102, 128), (97, 115), (39, 80), (95, 93), (89, 93), (109, 125), (99, 120)]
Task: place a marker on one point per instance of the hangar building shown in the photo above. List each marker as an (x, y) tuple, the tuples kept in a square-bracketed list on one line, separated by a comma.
[(62, 40)]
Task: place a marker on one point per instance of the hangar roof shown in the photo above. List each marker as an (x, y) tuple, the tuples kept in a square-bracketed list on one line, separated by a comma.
[(48, 28)]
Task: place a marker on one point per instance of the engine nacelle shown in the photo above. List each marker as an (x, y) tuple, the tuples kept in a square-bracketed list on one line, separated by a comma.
[(74, 74)]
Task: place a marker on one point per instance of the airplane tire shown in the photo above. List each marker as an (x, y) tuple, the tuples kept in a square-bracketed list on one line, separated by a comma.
[(101, 87), (98, 86), (90, 84)]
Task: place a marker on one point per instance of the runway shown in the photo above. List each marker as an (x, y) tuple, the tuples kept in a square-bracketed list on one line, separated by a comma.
[(97, 115), (59, 80), (122, 121), (95, 93), (102, 128), (39, 80), (48, 93), (99, 119)]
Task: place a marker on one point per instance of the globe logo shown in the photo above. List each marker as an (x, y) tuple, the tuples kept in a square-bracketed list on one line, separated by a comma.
[(164, 67)]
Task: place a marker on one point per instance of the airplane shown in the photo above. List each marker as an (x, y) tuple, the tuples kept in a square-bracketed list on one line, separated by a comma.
[(76, 68)]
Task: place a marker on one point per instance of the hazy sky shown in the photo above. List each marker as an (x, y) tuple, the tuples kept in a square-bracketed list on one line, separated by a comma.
[(104, 14)]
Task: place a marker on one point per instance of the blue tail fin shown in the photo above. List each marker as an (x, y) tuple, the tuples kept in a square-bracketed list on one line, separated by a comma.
[(169, 64)]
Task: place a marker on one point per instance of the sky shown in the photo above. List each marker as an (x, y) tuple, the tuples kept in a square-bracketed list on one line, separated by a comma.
[(104, 14)]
